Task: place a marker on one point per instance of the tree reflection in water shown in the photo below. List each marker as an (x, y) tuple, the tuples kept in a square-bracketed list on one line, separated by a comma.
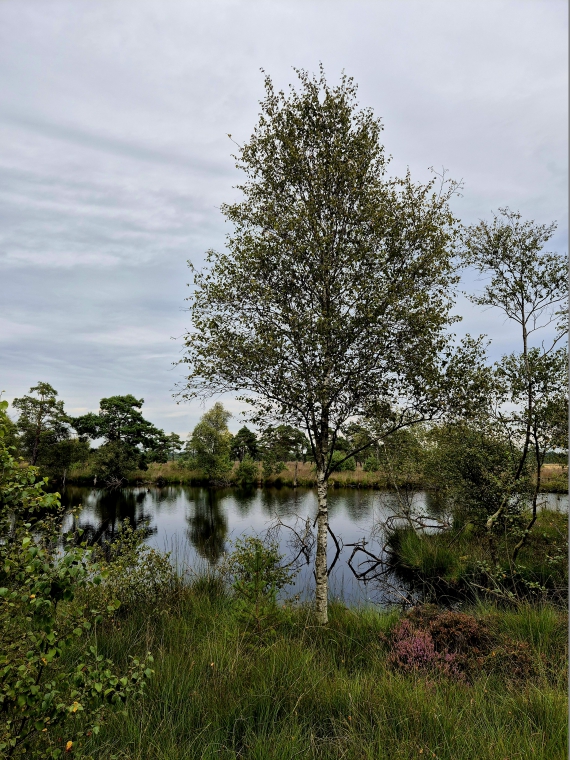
[(109, 508), (208, 527)]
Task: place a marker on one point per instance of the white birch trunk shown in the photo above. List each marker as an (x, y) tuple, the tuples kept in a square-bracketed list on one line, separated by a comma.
[(321, 595)]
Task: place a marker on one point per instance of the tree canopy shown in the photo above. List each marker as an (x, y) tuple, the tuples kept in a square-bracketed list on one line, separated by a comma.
[(334, 293), (130, 441)]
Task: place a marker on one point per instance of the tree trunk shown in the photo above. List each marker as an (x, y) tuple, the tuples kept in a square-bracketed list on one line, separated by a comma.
[(523, 540), (295, 480), (321, 595)]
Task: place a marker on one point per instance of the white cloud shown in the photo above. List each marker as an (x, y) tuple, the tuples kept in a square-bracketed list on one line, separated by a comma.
[(114, 157)]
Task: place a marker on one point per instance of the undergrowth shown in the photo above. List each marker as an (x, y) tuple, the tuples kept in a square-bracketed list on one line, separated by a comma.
[(353, 689)]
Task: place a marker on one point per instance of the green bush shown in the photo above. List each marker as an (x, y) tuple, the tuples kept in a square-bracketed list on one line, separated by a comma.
[(42, 700), (246, 473), (257, 576), (134, 573), (371, 464), (349, 465)]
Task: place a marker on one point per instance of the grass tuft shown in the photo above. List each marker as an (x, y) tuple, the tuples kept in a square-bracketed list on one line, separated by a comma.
[(328, 692)]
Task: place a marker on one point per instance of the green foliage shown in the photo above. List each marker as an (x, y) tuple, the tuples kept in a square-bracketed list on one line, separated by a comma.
[(371, 464), (130, 440), (439, 567), (211, 443), (113, 461), (247, 472), (529, 403), (40, 618), (44, 435), (42, 420), (271, 466), (477, 466), (134, 573), (244, 443), (281, 444), (165, 448), (340, 463), (257, 576)]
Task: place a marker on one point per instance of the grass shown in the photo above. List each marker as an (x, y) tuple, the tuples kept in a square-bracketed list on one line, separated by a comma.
[(554, 478), (450, 564), (304, 691)]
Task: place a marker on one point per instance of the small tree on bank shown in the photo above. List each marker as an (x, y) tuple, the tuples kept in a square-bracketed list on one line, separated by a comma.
[(530, 287), (333, 295), (211, 443)]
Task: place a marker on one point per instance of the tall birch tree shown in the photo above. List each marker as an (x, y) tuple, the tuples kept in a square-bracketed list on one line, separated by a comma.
[(530, 287), (333, 295)]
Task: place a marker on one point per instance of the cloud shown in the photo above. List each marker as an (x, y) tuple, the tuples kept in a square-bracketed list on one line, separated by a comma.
[(114, 156)]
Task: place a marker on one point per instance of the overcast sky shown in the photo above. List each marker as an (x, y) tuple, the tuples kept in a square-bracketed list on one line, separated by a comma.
[(114, 155)]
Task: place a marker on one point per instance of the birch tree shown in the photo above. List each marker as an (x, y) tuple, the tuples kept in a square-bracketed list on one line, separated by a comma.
[(530, 287), (333, 294)]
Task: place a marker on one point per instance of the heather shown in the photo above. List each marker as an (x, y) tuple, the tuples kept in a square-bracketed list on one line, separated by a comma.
[(486, 682)]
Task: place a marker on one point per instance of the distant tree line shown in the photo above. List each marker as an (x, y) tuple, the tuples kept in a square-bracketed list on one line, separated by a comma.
[(48, 437)]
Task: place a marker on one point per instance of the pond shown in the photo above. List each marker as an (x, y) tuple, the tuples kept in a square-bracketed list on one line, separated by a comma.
[(198, 524)]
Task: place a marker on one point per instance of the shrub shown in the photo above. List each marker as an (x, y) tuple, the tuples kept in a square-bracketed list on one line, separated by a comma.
[(457, 645), (349, 465), (40, 699), (134, 573), (257, 576), (413, 649), (246, 473), (371, 464)]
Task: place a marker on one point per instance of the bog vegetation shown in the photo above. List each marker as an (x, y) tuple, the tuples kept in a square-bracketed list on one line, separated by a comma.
[(331, 313)]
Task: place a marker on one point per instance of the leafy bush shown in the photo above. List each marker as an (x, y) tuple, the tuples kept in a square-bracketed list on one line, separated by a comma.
[(349, 465), (115, 460), (41, 701), (257, 576), (246, 473), (134, 573), (271, 466), (371, 464)]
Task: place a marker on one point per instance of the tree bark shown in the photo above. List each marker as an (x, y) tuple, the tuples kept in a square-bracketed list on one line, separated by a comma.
[(525, 535), (321, 595)]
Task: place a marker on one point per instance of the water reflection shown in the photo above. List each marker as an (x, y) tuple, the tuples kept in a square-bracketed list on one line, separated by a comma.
[(208, 526), (198, 522), (104, 511)]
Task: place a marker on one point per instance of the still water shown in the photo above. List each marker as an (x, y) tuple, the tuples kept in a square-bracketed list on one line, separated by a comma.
[(198, 525)]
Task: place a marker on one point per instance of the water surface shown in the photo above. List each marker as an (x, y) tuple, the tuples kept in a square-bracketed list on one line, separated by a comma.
[(198, 524)]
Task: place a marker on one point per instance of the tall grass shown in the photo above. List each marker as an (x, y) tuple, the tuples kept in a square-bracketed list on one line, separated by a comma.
[(304, 691), (554, 477)]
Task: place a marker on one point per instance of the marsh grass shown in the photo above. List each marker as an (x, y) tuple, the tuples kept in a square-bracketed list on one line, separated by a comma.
[(325, 692), (455, 565), (554, 477)]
